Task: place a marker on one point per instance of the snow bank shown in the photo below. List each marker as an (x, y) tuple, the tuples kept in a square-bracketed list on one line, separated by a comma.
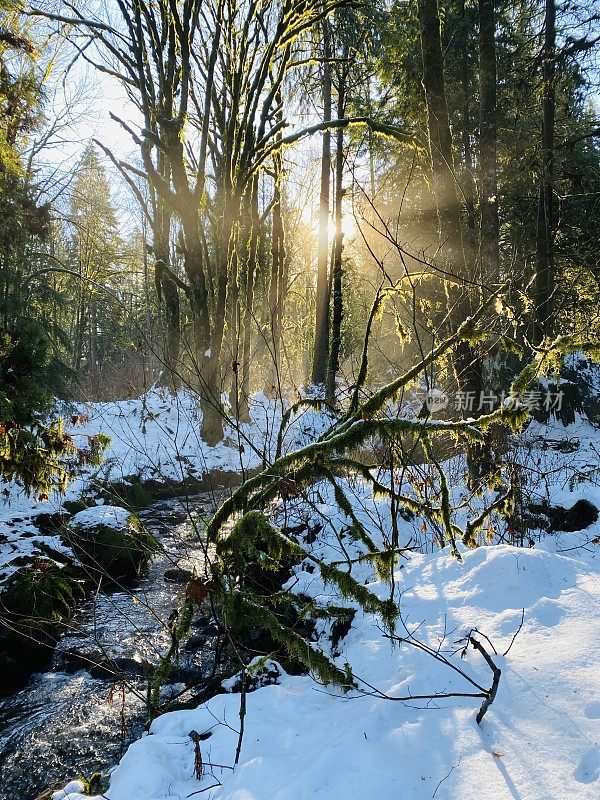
[(539, 741)]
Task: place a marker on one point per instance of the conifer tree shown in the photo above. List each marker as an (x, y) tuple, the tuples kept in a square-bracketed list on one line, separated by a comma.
[(31, 374), (95, 254)]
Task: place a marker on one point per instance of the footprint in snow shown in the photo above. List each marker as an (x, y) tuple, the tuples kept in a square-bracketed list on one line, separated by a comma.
[(592, 711), (546, 613), (588, 770)]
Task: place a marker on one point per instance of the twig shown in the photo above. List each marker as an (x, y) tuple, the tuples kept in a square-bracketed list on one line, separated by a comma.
[(491, 695), (413, 642), (487, 638), (410, 697), (578, 547), (512, 641), (206, 788), (446, 778), (198, 765), (242, 717)]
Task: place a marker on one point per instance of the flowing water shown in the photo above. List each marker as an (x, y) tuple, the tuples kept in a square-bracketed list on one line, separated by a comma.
[(80, 715)]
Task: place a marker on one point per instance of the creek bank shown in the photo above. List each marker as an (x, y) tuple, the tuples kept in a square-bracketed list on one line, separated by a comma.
[(110, 547), (137, 493), (87, 702), (64, 553), (35, 603), (578, 517)]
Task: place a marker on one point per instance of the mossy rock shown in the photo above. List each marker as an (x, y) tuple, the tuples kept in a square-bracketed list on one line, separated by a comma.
[(556, 518), (131, 493), (34, 602), (112, 543), (39, 594), (23, 653)]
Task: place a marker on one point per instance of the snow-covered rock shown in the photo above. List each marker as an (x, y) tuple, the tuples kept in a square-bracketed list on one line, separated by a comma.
[(107, 516), (111, 542)]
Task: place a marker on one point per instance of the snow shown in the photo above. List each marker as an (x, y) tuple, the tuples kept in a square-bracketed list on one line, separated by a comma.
[(153, 437), (73, 788), (108, 516), (539, 741)]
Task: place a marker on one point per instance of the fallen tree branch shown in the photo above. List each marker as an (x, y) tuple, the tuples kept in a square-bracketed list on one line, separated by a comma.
[(456, 766), (491, 695)]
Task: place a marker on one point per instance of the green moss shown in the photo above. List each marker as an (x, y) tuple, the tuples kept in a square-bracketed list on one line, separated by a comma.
[(178, 630), (352, 589), (296, 646), (254, 540), (113, 553), (41, 593), (75, 506), (131, 494), (92, 785)]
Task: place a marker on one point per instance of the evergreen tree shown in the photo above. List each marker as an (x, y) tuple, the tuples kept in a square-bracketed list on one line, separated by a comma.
[(31, 448), (96, 257)]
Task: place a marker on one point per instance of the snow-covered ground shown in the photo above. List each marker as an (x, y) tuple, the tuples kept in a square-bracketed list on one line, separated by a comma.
[(540, 740), (155, 437)]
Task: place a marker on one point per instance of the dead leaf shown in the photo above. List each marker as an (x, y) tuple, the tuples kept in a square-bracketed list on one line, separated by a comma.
[(196, 590)]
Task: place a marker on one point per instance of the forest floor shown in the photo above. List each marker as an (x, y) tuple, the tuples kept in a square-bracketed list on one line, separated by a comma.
[(540, 740)]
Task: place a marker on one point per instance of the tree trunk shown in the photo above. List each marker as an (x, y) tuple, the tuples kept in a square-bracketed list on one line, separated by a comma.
[(440, 139), (234, 311), (249, 303), (319, 367), (207, 365), (489, 225), (338, 243), (79, 336), (168, 291), (468, 183), (170, 295), (207, 347), (277, 281), (277, 278), (467, 363), (207, 360), (93, 361), (544, 281), (489, 252)]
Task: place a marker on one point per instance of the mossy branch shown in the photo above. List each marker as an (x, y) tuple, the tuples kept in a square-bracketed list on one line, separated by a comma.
[(475, 525), (377, 400), (179, 629), (308, 402)]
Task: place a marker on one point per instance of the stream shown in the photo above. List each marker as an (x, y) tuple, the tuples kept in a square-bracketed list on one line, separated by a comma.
[(80, 715)]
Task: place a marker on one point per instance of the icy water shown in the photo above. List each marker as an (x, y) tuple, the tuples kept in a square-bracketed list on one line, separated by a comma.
[(73, 721)]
